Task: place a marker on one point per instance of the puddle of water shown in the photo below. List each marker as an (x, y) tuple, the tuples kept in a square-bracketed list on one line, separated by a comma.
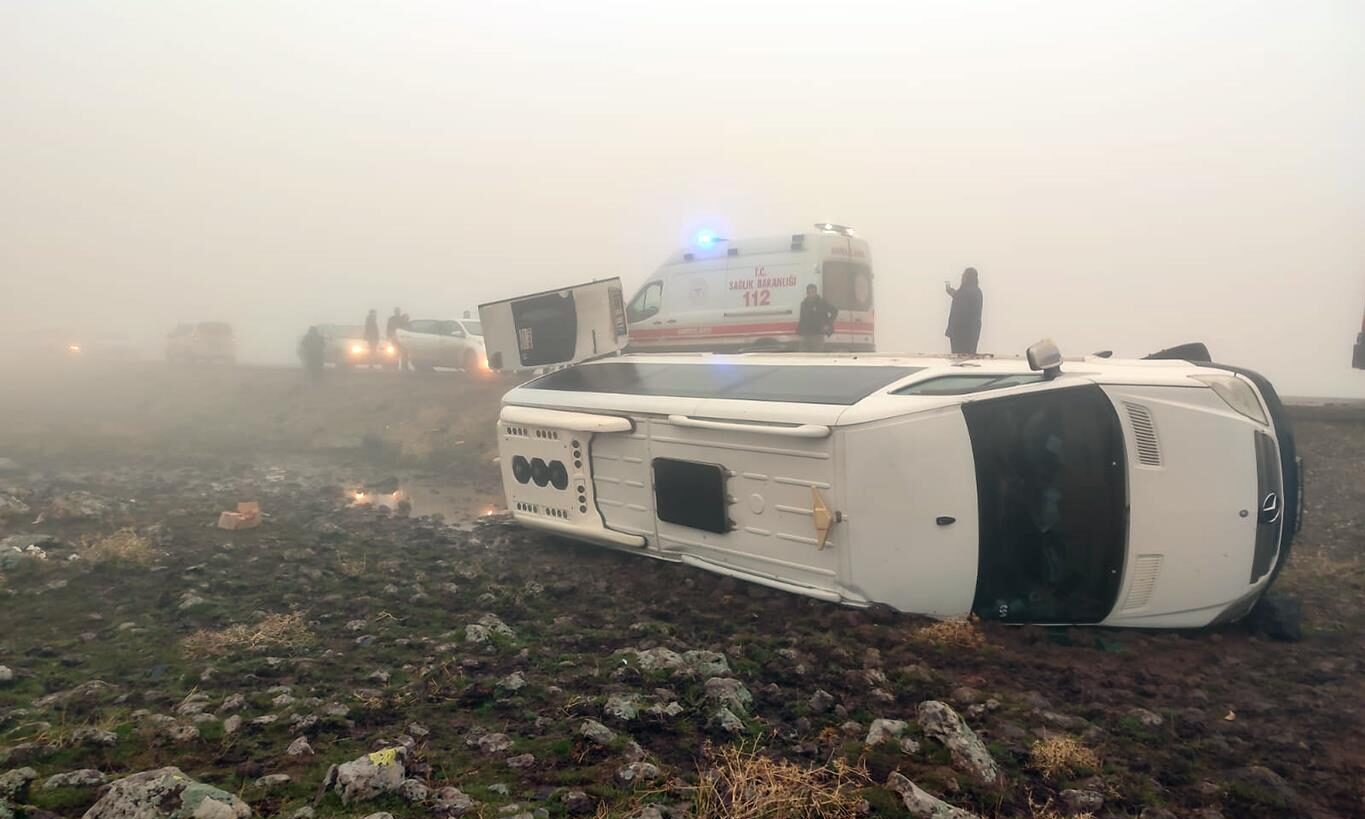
[(459, 504)]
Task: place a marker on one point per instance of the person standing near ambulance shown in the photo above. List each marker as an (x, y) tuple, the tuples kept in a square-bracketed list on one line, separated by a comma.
[(817, 321), (964, 317)]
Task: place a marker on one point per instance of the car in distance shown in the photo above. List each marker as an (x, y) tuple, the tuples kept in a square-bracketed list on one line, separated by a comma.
[(344, 346), (453, 343), (1158, 493), (206, 341)]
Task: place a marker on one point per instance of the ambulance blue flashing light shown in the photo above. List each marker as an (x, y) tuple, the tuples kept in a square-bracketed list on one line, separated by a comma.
[(706, 239)]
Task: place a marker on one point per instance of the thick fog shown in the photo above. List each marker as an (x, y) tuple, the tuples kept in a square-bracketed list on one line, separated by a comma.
[(1125, 176)]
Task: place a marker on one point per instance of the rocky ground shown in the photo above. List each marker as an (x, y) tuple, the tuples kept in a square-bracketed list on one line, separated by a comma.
[(347, 660)]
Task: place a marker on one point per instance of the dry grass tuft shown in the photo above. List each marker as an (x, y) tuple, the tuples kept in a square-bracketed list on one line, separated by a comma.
[(743, 784), (1048, 810), (125, 546), (951, 633), (1060, 755), (274, 632)]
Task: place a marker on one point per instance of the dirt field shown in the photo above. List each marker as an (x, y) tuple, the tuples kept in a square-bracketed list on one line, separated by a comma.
[(485, 651)]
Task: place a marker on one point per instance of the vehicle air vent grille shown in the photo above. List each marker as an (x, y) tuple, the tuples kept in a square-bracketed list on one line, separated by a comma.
[(1144, 432), (1145, 570)]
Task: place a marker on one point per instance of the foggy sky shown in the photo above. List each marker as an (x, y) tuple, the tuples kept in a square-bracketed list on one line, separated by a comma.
[(1125, 176)]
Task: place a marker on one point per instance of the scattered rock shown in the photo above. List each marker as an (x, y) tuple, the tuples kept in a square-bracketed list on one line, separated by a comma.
[(521, 761), (26, 752), (414, 790), (166, 792), (6, 674), (695, 663), (89, 735), (274, 781), (1082, 801), (452, 801), (77, 506), (730, 693), (577, 803), (232, 703), (371, 775), (1145, 718), (299, 747), (939, 721), (638, 772), (728, 722), (494, 743), (624, 707), (920, 804), (232, 724), (821, 701), (513, 682), (14, 784), (596, 732), (84, 694), (83, 778), (883, 730), (380, 815)]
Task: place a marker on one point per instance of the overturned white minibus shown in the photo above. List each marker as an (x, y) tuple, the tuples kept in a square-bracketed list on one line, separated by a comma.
[(1155, 493)]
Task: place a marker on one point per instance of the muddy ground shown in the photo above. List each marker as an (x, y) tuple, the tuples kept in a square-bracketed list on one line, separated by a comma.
[(352, 629)]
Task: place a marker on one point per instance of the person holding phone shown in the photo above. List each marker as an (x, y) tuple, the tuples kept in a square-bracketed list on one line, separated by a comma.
[(964, 317)]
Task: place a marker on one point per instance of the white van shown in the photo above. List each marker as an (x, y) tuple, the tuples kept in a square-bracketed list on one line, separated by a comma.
[(1159, 493), (740, 295)]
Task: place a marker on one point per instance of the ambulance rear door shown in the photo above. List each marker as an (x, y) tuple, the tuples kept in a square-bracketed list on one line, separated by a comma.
[(555, 327)]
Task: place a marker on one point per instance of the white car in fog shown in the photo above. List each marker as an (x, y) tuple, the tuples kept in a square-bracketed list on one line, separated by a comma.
[(454, 343), (1155, 493)]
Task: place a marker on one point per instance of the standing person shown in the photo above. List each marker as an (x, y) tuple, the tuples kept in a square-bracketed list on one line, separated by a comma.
[(311, 351), (817, 321), (372, 336), (404, 361), (964, 317), (391, 326)]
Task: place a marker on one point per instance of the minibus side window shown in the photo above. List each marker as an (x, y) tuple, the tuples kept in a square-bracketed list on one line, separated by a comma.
[(646, 302)]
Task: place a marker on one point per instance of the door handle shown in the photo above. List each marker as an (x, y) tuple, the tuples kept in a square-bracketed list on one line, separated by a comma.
[(798, 431), (672, 321)]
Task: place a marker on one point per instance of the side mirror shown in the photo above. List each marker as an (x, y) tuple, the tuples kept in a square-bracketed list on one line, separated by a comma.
[(1045, 357)]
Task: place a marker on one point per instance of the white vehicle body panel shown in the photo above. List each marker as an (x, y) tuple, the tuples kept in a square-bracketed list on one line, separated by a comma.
[(746, 294), (442, 343), (900, 474)]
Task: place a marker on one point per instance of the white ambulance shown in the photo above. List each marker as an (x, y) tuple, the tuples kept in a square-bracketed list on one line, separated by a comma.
[(728, 295), (1160, 493)]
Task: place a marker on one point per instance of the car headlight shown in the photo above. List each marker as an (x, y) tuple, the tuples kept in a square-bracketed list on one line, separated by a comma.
[(73, 348), (1237, 394), (357, 349), (389, 349)]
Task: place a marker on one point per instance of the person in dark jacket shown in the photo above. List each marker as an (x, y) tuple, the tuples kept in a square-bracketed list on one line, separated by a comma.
[(312, 352), (391, 326), (372, 335), (817, 321), (964, 318)]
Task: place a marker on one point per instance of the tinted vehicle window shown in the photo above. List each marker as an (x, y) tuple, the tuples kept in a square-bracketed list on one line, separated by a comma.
[(847, 285), (646, 302), (450, 328), (1052, 490), (424, 326), (967, 383), (723, 379), (474, 328)]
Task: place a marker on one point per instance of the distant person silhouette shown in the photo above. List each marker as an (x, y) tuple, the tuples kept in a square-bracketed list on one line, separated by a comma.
[(312, 352), (964, 317), (372, 336)]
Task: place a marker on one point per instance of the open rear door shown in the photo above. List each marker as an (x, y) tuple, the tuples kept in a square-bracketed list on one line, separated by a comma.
[(555, 327)]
